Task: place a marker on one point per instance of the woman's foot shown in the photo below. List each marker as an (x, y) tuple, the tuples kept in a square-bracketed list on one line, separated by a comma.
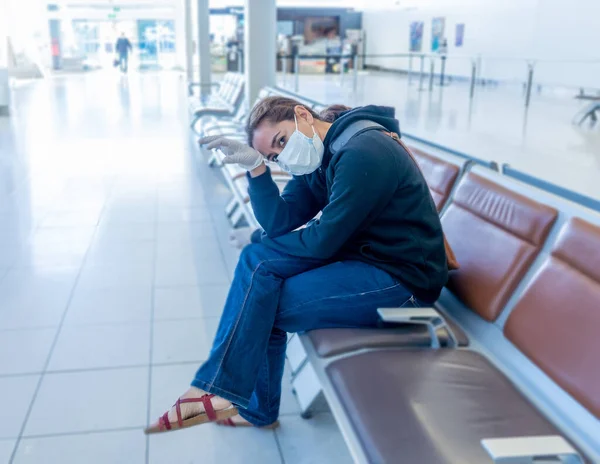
[(194, 407), (239, 421)]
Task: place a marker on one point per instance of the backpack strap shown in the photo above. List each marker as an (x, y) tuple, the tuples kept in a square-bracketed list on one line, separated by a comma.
[(357, 127)]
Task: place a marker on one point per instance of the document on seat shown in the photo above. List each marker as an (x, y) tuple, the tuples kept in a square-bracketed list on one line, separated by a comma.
[(429, 317), (527, 449), (405, 314)]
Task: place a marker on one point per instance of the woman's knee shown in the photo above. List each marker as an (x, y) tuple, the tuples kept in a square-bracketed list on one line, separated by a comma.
[(252, 255)]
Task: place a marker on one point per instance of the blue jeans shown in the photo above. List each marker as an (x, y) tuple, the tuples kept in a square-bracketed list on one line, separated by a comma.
[(271, 294), (123, 59)]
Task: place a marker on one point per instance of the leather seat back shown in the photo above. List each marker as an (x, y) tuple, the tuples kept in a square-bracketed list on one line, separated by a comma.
[(439, 174), (496, 234), (555, 323)]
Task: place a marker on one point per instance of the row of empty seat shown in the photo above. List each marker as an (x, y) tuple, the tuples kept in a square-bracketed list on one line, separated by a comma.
[(516, 327), (225, 100)]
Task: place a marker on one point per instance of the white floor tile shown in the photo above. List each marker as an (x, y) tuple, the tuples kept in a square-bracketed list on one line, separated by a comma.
[(70, 219), (6, 449), (89, 401), (175, 272), (51, 259), (188, 232), (9, 254), (181, 214), (199, 251), (16, 394), (179, 269), (86, 347), (168, 384), (141, 214), (211, 444), (116, 275), (121, 447), (312, 441), (34, 297), (25, 351), (189, 301), (112, 305), (40, 281), (32, 314), (177, 198), (289, 404), (133, 253), (216, 274), (112, 233), (53, 236), (183, 340)]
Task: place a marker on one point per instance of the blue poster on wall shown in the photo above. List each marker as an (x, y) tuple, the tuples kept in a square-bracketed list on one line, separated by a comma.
[(437, 33), (416, 36), (460, 35)]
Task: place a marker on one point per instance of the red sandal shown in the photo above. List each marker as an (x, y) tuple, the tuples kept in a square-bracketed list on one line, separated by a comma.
[(229, 423), (209, 415)]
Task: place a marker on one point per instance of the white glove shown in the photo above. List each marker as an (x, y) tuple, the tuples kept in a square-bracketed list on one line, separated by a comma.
[(235, 152), (239, 238)]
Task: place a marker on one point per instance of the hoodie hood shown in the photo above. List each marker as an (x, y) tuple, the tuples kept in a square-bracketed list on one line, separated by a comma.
[(384, 115)]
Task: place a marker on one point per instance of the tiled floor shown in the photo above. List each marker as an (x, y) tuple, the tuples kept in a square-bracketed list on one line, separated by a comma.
[(495, 125), (114, 267)]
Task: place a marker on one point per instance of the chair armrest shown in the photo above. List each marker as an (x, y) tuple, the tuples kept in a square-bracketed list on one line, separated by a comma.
[(429, 317), (529, 449)]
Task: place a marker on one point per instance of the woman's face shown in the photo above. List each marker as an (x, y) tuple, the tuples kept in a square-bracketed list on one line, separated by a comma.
[(269, 138)]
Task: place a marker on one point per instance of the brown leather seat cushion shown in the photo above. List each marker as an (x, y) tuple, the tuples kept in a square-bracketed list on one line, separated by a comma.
[(556, 321), (430, 406), (496, 234), (331, 342), (439, 174)]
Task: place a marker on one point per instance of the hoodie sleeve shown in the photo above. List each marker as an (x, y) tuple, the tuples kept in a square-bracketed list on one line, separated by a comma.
[(363, 185), (279, 213)]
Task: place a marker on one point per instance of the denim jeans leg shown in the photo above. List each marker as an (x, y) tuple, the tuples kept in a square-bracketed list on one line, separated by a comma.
[(341, 294), (242, 341), (264, 403)]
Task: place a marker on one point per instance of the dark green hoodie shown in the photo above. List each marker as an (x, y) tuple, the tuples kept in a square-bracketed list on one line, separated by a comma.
[(376, 207)]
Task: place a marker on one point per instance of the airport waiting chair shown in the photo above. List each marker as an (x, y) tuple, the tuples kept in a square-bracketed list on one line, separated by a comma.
[(223, 103)]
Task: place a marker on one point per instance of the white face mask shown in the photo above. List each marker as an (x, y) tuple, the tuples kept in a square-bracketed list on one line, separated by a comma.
[(301, 154)]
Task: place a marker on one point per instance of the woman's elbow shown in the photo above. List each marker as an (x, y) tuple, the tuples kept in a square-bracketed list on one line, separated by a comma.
[(274, 230), (323, 251)]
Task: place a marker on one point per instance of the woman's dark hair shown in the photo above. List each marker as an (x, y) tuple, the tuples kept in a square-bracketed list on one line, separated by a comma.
[(331, 113), (276, 109)]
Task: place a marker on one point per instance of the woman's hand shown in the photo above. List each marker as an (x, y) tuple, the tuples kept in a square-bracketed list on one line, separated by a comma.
[(235, 151), (239, 238)]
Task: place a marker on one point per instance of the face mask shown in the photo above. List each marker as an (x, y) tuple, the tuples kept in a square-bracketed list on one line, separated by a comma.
[(301, 154)]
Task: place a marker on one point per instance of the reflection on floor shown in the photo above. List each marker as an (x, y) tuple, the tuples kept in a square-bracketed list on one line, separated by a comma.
[(494, 125), (114, 266)]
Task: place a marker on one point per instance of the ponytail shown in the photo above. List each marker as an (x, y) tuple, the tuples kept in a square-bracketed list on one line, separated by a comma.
[(331, 113)]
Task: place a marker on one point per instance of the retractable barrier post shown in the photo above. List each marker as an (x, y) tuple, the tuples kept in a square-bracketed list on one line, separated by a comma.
[(297, 73), (410, 63), (422, 73), (473, 78), (530, 68), (431, 72), (443, 70), (355, 68)]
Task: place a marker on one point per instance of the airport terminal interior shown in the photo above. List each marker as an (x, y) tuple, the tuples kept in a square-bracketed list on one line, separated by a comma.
[(122, 239)]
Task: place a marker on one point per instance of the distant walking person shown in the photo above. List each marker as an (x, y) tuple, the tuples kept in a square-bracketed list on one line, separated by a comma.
[(123, 47)]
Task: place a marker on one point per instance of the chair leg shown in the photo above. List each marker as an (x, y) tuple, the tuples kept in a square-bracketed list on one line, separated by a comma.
[(237, 217), (307, 389), (231, 207), (213, 160)]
